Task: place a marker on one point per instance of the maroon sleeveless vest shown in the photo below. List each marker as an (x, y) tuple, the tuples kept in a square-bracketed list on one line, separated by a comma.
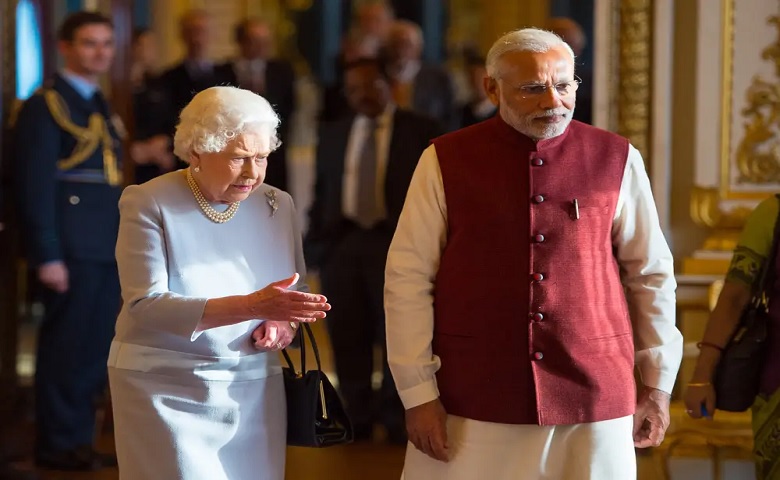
[(531, 322)]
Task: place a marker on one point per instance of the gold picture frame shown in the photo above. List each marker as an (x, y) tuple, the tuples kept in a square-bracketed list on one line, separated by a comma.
[(747, 154)]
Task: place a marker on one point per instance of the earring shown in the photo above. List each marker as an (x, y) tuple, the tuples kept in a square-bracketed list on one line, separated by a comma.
[(196, 169)]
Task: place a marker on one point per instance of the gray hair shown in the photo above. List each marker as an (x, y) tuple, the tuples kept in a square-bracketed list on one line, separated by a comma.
[(523, 40), (217, 115), (403, 26)]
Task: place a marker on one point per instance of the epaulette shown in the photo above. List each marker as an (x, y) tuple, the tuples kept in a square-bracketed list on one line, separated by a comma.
[(17, 104), (46, 85), (87, 138)]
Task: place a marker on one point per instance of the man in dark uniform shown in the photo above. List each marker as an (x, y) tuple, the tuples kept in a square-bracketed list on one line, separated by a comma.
[(68, 173)]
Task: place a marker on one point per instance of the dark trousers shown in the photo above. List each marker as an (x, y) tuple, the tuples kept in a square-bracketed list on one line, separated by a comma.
[(73, 345), (353, 280)]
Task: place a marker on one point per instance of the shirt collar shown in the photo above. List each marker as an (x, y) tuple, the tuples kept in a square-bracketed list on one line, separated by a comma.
[(84, 87), (251, 65), (383, 119), (199, 67), (408, 71)]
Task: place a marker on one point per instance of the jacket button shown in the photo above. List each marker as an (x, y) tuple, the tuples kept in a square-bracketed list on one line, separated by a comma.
[(74, 200), (537, 162), (537, 317), (539, 238), (538, 355), (538, 198), (537, 277)]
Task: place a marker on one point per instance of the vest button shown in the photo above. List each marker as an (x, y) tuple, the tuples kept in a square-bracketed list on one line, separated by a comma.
[(537, 317), (538, 355), (74, 200), (537, 162), (537, 277), (539, 238), (538, 198)]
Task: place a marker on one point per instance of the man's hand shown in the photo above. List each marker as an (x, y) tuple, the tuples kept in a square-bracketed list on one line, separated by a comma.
[(651, 418), (426, 425), (54, 275), (160, 152), (155, 150)]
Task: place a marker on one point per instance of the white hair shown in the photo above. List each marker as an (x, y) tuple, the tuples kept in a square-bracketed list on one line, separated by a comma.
[(523, 40), (217, 115), (399, 27)]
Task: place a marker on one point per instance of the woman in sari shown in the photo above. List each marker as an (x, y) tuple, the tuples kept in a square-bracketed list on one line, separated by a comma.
[(752, 251)]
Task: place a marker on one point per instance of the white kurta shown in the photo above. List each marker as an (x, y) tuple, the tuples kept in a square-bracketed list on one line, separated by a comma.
[(207, 405), (495, 451)]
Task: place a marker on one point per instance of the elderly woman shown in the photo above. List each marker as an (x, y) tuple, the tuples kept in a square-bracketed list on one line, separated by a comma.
[(752, 253), (209, 258)]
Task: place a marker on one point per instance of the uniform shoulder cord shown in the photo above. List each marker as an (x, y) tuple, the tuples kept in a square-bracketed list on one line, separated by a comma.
[(87, 138)]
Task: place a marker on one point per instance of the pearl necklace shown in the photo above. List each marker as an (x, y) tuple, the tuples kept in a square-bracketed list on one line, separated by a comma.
[(211, 213)]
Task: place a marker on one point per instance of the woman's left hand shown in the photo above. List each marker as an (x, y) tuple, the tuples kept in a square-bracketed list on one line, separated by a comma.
[(272, 336)]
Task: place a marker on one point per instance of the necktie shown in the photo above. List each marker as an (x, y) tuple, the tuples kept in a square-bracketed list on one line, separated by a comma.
[(367, 211), (402, 94), (257, 76)]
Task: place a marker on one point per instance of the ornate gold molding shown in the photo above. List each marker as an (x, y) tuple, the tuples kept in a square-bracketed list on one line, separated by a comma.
[(707, 211), (635, 59), (757, 155), (727, 49)]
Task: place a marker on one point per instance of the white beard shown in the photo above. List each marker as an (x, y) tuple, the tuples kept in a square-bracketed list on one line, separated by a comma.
[(525, 125)]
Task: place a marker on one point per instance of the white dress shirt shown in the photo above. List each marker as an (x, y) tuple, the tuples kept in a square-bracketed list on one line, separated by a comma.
[(357, 138), (415, 253), (199, 68)]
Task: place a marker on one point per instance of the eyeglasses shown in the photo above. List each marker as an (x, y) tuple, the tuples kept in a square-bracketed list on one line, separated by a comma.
[(563, 89)]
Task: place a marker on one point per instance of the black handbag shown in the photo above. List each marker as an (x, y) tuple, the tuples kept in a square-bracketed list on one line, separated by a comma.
[(315, 415), (738, 374)]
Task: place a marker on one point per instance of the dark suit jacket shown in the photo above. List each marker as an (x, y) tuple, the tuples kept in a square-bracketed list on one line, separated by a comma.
[(280, 93), (152, 115), (411, 134), (63, 219), (584, 107), (180, 87), (468, 117), (434, 95)]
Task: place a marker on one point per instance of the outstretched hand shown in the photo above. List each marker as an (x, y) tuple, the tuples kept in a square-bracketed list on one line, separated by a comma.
[(276, 302)]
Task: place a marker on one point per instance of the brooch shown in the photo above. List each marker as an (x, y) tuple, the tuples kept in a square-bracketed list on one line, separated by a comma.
[(271, 196)]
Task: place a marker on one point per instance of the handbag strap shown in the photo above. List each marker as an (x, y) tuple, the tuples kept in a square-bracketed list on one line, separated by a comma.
[(307, 328), (768, 270)]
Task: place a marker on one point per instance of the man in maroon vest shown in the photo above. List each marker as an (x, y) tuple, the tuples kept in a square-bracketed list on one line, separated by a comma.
[(527, 276)]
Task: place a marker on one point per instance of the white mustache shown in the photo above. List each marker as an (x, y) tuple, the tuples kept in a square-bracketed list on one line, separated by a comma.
[(553, 113)]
